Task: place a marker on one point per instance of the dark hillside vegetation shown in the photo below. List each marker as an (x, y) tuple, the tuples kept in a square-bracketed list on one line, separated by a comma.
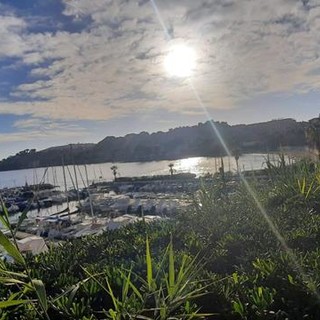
[(199, 140), (30, 158)]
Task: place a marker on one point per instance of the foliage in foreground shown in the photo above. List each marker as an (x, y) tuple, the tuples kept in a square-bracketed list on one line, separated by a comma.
[(121, 282), (251, 266)]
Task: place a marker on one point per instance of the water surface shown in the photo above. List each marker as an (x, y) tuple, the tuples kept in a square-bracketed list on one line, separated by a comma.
[(102, 171)]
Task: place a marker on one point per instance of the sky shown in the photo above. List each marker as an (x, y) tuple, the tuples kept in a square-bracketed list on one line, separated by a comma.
[(78, 70)]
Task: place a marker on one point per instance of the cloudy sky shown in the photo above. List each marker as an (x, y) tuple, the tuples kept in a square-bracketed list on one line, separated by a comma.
[(78, 70)]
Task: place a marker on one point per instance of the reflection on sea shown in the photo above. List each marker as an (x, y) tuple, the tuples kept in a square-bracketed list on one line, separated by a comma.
[(198, 165)]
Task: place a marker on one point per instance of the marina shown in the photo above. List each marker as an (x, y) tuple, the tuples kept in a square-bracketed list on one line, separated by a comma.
[(55, 215), (88, 207)]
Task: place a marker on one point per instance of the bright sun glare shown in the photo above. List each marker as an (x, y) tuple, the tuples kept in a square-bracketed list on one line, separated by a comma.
[(180, 61), (188, 164)]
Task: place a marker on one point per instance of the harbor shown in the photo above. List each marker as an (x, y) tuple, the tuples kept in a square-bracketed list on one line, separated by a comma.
[(58, 212), (54, 215)]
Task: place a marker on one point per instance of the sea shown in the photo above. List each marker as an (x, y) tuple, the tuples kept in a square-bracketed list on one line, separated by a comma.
[(80, 176)]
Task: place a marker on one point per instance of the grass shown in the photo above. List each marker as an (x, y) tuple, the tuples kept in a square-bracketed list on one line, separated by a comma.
[(220, 260)]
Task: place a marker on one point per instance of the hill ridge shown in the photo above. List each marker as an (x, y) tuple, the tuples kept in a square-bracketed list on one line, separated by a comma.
[(180, 142)]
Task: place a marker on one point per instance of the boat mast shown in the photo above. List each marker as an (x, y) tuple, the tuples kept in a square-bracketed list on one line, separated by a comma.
[(65, 184), (75, 176), (77, 185), (89, 193)]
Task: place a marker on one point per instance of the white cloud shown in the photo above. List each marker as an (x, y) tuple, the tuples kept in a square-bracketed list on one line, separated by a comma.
[(114, 67), (37, 129), (46, 125), (11, 42), (40, 135)]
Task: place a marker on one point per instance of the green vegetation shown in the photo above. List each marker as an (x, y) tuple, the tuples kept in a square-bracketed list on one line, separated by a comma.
[(224, 259)]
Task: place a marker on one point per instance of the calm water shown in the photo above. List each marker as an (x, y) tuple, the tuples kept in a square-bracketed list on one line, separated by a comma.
[(96, 172)]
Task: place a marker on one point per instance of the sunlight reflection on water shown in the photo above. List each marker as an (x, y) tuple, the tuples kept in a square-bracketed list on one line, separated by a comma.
[(198, 165)]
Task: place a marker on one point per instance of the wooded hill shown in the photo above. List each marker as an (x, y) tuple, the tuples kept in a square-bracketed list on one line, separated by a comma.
[(182, 142)]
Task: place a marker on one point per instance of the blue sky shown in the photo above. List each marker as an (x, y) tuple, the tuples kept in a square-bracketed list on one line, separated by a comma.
[(79, 70)]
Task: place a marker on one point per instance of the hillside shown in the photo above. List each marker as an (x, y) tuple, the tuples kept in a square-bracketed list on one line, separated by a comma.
[(198, 140), (30, 158)]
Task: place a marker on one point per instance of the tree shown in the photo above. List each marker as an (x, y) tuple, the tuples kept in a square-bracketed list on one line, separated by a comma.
[(236, 154), (221, 170), (171, 165), (313, 135), (114, 171)]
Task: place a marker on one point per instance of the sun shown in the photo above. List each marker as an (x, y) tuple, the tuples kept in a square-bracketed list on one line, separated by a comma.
[(180, 61)]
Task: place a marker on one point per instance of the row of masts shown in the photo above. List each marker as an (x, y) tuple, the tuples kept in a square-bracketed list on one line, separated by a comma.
[(76, 185), (52, 176), (73, 178)]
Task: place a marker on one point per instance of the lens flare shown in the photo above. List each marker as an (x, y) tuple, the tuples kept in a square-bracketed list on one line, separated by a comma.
[(181, 71)]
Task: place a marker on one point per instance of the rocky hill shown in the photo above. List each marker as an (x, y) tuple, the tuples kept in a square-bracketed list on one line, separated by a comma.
[(199, 140)]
